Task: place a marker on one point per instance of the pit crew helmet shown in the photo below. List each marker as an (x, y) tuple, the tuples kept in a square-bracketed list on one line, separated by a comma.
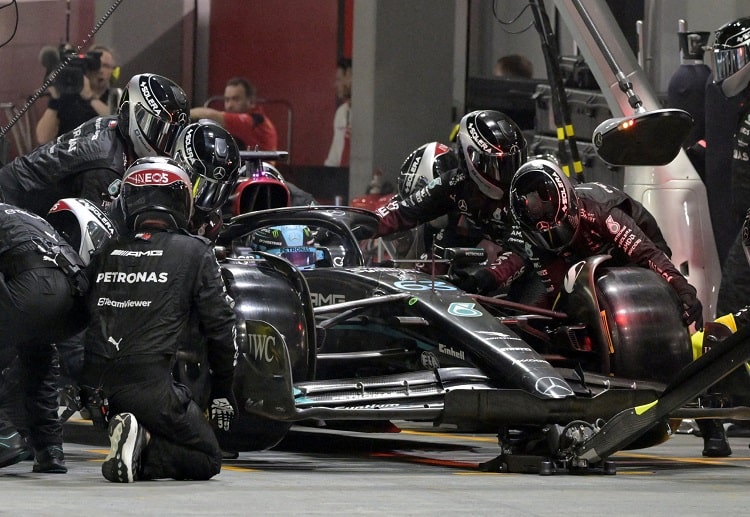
[(211, 157), (156, 187), (491, 147), (151, 113), (294, 242), (83, 225), (545, 205), (731, 56), (425, 163)]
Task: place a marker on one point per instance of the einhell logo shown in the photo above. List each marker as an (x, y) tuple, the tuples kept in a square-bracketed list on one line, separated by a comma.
[(445, 349)]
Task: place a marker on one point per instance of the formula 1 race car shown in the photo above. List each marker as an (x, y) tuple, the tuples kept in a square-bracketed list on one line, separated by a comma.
[(341, 343)]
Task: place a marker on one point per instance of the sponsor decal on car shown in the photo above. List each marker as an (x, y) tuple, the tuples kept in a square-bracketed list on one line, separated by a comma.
[(261, 347), (429, 360), (424, 285), (320, 299), (446, 350), (489, 335), (464, 310)]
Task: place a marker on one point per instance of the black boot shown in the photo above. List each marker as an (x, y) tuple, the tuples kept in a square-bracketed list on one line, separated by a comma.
[(50, 460), (715, 443), (13, 447)]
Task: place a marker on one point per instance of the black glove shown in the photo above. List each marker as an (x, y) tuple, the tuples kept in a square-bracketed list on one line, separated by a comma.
[(692, 307), (475, 279), (223, 406)]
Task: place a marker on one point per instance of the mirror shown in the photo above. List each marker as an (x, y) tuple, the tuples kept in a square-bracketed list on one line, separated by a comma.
[(648, 138)]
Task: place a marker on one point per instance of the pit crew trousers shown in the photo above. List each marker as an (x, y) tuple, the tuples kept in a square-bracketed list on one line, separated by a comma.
[(183, 444)]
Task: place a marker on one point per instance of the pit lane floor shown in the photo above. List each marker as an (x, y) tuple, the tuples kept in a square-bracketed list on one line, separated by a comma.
[(420, 471)]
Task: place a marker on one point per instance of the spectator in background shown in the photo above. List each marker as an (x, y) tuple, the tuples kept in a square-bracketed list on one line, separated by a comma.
[(338, 154), (514, 65), (66, 110), (242, 117)]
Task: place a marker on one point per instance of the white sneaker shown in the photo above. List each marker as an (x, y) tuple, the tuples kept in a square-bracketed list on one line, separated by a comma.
[(127, 440)]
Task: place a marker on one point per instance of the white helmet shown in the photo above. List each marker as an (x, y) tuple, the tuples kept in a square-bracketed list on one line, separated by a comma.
[(83, 225), (424, 164)]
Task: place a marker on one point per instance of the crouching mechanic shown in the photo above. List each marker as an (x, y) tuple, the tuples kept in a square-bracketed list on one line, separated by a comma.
[(41, 288), (145, 288), (559, 224)]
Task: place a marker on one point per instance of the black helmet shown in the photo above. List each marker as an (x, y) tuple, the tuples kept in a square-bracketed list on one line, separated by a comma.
[(211, 157), (152, 112), (156, 187), (294, 242), (731, 55), (491, 148), (424, 164), (545, 204)]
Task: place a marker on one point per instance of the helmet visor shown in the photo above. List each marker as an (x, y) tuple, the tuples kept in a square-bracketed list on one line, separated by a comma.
[(497, 169), (728, 62), (542, 221), (161, 134), (209, 194), (97, 236), (301, 257)]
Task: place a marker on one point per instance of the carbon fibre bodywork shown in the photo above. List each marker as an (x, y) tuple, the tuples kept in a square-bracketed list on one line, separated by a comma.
[(361, 344)]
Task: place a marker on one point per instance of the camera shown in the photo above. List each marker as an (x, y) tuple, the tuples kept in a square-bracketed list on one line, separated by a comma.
[(70, 79)]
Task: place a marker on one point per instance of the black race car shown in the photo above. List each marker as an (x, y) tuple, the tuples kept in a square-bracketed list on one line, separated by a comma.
[(357, 345)]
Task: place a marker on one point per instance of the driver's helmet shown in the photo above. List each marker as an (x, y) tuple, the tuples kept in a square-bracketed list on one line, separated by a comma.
[(491, 148), (156, 187), (152, 112), (544, 204), (83, 225), (294, 242), (424, 164), (731, 56), (211, 157)]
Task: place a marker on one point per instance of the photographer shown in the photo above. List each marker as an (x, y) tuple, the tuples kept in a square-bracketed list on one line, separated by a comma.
[(80, 92)]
